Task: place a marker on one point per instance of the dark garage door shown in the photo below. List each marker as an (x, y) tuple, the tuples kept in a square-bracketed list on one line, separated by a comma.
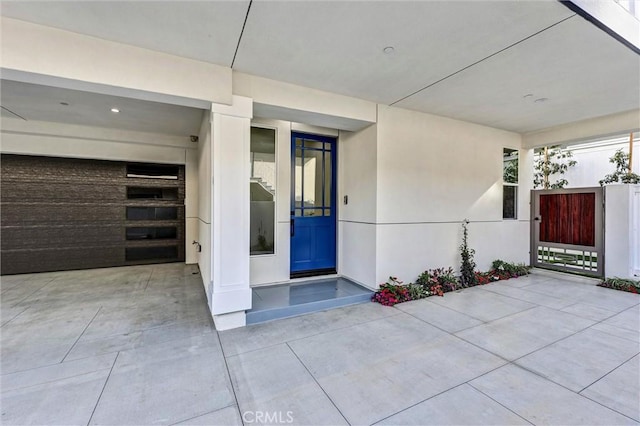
[(61, 213)]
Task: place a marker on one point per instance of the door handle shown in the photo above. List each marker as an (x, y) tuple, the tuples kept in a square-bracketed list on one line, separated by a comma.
[(292, 230)]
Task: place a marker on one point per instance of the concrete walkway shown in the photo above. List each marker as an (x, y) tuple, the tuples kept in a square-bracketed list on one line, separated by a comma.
[(136, 346)]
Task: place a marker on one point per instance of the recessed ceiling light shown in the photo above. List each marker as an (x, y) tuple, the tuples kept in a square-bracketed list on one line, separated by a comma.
[(64, 103), (115, 110), (528, 95), (389, 50), (540, 100)]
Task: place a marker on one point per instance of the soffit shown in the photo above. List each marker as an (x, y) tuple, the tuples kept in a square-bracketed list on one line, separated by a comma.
[(43, 103)]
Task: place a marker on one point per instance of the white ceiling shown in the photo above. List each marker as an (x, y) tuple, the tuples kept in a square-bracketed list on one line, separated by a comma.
[(339, 46), (43, 103), (202, 30), (582, 71), (471, 60)]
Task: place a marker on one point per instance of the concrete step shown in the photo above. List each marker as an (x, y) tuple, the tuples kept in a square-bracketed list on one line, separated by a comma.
[(288, 300)]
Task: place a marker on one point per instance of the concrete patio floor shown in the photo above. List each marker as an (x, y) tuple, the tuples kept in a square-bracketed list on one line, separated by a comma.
[(136, 345)]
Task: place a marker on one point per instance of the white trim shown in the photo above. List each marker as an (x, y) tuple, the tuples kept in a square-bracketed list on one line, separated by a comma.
[(230, 320), (314, 130), (241, 107), (615, 17)]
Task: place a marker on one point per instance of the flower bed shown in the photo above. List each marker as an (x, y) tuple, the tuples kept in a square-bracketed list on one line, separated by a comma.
[(436, 282), (621, 284)]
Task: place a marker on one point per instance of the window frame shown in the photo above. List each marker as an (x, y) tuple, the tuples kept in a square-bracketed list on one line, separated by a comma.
[(275, 197)]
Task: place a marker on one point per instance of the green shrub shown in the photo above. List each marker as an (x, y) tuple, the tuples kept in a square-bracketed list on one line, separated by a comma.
[(416, 291), (511, 269), (445, 278), (467, 266), (623, 172), (623, 284)]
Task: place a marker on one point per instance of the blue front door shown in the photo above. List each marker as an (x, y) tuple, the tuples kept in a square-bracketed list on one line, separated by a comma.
[(313, 204)]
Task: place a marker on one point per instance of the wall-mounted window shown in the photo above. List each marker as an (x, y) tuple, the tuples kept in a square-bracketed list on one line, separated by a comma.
[(263, 190), (510, 183), (151, 253), (136, 192), (152, 233), (152, 213)]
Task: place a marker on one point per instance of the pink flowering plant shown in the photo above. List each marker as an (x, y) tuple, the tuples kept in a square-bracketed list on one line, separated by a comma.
[(444, 278), (391, 292), (436, 282)]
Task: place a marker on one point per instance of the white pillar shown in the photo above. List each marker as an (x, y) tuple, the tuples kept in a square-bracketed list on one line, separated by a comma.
[(231, 294)]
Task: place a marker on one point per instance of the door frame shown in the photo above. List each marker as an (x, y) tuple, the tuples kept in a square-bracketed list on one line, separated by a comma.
[(333, 140)]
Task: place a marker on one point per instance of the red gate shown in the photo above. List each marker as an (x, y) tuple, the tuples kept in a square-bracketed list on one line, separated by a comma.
[(567, 230)]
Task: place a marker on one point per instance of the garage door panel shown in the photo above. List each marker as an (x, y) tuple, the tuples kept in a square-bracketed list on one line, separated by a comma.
[(15, 190), (63, 213), (26, 214), (66, 258), (53, 169), (43, 236)]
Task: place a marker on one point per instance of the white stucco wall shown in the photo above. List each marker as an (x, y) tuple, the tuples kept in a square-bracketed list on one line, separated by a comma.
[(191, 205), (622, 231), (284, 101), (635, 232), (593, 163), (73, 141), (204, 205), (433, 172), (357, 179)]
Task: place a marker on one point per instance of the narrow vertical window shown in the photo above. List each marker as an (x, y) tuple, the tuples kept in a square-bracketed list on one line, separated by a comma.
[(510, 183), (263, 190)]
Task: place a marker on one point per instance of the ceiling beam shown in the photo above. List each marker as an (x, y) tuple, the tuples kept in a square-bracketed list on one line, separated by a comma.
[(611, 18), (43, 55)]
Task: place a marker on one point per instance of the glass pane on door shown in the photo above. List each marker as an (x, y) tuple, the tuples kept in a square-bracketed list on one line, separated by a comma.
[(327, 178), (313, 144), (313, 212), (312, 179), (297, 193)]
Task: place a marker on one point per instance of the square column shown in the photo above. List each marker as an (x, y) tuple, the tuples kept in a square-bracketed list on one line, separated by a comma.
[(230, 169)]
